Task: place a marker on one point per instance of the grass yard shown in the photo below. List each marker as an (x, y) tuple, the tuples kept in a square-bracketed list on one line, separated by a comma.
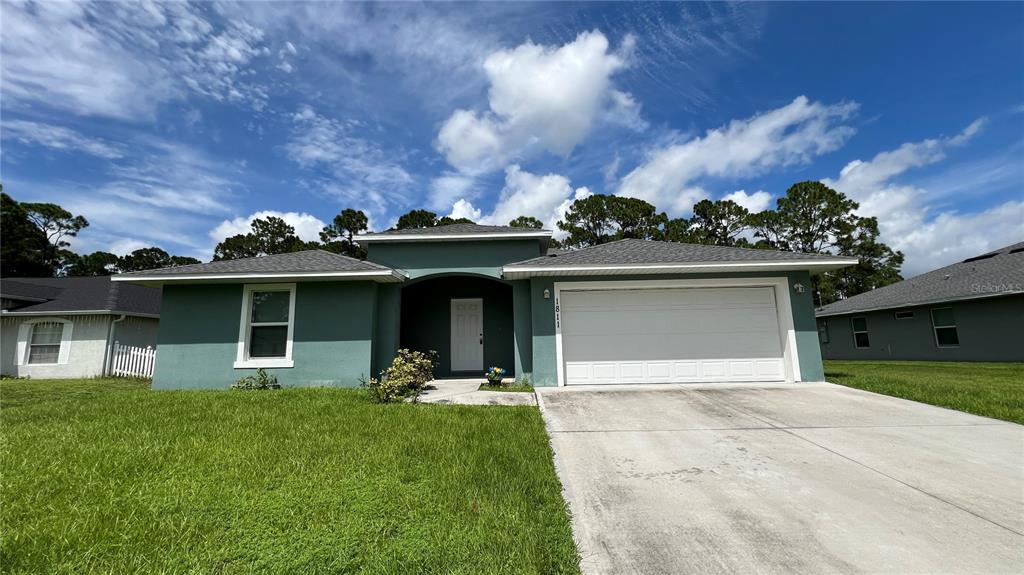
[(989, 389), (109, 476)]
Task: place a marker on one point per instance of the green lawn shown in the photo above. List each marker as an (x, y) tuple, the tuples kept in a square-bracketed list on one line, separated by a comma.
[(989, 389), (108, 476)]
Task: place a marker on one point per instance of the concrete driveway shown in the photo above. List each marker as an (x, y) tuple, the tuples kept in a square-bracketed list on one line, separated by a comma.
[(801, 478)]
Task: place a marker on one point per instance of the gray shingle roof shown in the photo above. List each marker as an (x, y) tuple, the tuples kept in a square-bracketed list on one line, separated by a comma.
[(80, 294), (991, 274), (455, 230), (646, 252), (309, 261)]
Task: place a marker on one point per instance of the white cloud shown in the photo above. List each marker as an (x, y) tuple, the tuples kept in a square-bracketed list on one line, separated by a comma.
[(124, 60), (928, 235), (125, 246), (448, 187), (785, 136), (59, 138), (542, 98), (545, 197), (755, 202), (464, 209), (307, 227), (360, 170)]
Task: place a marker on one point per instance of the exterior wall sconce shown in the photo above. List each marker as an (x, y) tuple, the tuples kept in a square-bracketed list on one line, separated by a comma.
[(547, 294), (798, 288)]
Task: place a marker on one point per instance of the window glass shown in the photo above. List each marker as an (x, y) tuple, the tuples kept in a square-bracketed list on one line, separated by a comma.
[(904, 315), (860, 324), (946, 336), (943, 317), (270, 306), (268, 341), (823, 332), (44, 344), (862, 339)]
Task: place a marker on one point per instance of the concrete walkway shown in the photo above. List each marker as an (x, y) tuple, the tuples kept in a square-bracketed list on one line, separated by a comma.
[(466, 392), (798, 478)]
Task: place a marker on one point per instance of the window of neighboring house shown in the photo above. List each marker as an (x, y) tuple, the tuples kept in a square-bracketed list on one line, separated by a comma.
[(267, 324), (860, 332), (823, 331), (904, 315), (44, 343), (945, 327)]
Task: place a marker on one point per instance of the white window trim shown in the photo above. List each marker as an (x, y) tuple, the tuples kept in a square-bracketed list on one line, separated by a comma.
[(853, 330), (25, 335), (242, 359), (787, 330), (935, 328)]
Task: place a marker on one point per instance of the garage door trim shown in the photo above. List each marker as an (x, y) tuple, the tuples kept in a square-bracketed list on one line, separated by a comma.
[(787, 335)]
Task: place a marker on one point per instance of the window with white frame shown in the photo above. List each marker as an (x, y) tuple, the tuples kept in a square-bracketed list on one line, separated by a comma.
[(860, 332), (268, 320), (945, 327), (44, 343)]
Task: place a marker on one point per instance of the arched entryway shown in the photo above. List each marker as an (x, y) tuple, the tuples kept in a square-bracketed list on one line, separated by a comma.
[(467, 319)]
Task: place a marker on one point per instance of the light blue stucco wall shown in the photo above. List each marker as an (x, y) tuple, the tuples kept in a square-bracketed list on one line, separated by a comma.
[(544, 368), (332, 339)]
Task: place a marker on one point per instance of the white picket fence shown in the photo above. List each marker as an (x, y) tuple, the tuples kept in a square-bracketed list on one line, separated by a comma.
[(129, 361)]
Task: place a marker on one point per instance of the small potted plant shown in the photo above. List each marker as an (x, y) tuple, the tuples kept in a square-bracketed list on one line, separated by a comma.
[(494, 375)]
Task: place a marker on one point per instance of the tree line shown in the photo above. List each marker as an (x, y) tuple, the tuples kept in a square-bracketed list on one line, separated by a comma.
[(34, 243), (810, 218)]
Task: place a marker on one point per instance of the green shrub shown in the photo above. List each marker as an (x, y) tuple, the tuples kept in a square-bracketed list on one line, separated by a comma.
[(259, 380), (406, 377)]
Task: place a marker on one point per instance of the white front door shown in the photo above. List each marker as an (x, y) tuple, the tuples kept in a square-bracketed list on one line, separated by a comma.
[(468, 335)]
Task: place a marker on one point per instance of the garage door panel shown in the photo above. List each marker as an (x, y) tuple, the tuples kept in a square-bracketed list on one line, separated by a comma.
[(671, 335)]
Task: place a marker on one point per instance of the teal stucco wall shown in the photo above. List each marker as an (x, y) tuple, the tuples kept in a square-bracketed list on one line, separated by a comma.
[(419, 259), (544, 368), (990, 329), (332, 339)]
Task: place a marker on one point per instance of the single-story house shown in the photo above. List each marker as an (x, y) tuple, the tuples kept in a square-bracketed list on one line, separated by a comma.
[(66, 327), (969, 311), (630, 311)]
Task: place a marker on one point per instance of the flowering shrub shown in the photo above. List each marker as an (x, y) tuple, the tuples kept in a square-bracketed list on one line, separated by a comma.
[(495, 374), (406, 377), (260, 380)]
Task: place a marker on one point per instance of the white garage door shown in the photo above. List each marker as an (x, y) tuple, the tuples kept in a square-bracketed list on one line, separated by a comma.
[(673, 335)]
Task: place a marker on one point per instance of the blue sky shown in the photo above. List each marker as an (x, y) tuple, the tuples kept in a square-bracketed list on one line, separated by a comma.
[(174, 124)]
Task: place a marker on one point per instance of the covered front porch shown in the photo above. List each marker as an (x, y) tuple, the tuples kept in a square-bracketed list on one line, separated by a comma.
[(468, 319)]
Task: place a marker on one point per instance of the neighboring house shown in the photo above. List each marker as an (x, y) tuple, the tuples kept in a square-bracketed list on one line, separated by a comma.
[(969, 311), (630, 311), (66, 327)]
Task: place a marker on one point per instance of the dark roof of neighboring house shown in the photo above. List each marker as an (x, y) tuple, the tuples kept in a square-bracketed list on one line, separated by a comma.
[(456, 230), (85, 294), (304, 263), (999, 272), (647, 252)]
